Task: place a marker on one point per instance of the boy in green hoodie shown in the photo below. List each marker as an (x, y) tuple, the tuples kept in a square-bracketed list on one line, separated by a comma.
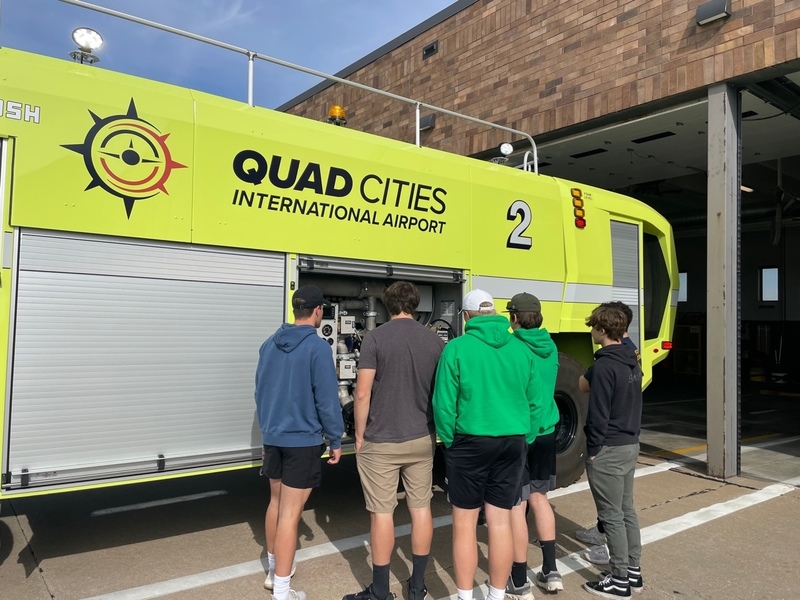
[(483, 400), (525, 314)]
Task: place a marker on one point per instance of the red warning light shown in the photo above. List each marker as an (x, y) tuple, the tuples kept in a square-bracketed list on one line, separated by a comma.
[(578, 208)]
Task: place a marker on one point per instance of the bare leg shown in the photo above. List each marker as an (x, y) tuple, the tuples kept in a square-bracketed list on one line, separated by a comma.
[(501, 546), (271, 518), (291, 508), (519, 532), (543, 517), (421, 530), (465, 547), (381, 537)]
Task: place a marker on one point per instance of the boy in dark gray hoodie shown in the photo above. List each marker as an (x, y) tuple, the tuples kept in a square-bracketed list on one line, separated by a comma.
[(612, 430)]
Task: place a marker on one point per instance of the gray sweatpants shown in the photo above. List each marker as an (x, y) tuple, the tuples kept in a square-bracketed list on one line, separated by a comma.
[(611, 481)]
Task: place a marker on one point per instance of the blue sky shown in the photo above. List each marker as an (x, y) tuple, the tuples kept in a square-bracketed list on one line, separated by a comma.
[(320, 34)]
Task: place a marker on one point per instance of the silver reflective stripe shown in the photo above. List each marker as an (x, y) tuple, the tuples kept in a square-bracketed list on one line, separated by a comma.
[(625, 265), (588, 293), (507, 287), (546, 291)]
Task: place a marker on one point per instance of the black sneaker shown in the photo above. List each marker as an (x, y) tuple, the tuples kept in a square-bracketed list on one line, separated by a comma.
[(609, 587), (366, 594), (416, 594), (635, 581)]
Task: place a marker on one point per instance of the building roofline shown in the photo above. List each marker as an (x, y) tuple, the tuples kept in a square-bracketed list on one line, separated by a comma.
[(439, 17)]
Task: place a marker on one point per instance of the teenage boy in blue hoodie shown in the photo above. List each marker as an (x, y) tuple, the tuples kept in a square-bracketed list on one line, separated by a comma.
[(297, 401)]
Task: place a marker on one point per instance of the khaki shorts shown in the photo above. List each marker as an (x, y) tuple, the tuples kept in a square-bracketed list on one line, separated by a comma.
[(381, 465)]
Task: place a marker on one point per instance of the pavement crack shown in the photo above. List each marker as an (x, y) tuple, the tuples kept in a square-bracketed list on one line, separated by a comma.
[(697, 475), (29, 549), (683, 497)]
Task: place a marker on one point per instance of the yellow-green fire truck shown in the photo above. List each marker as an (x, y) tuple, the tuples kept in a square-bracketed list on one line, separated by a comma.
[(153, 236)]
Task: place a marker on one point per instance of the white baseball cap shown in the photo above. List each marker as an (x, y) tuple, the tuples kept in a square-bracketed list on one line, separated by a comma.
[(472, 301)]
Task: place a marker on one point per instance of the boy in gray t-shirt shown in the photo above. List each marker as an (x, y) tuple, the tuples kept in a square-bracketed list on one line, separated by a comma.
[(395, 435), (404, 355)]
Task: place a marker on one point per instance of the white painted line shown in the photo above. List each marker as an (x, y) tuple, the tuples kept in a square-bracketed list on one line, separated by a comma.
[(164, 502), (659, 531), (584, 485), (253, 567)]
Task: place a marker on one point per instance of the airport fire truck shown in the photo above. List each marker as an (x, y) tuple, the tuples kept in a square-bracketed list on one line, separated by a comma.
[(153, 236)]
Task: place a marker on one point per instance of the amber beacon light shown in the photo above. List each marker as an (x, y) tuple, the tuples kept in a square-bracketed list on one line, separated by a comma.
[(337, 115), (578, 208)]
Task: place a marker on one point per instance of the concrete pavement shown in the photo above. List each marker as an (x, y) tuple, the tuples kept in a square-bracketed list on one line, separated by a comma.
[(704, 539)]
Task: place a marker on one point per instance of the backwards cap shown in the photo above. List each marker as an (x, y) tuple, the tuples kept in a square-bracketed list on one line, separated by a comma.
[(472, 301), (309, 296), (524, 302)]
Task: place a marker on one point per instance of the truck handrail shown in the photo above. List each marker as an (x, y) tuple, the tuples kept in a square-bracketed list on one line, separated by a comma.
[(251, 56)]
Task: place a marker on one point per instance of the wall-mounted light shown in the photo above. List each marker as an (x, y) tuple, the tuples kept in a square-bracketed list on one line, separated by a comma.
[(427, 122), (713, 11), (744, 188)]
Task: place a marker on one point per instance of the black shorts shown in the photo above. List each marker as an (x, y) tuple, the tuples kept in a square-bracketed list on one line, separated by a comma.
[(485, 469), (541, 471), (299, 468)]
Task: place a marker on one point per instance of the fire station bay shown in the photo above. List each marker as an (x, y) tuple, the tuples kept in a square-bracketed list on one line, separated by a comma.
[(692, 109)]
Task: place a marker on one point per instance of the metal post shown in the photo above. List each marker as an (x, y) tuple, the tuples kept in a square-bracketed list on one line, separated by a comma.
[(417, 106), (724, 206), (251, 57)]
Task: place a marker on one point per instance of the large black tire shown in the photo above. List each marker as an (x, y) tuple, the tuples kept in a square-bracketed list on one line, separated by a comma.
[(572, 406)]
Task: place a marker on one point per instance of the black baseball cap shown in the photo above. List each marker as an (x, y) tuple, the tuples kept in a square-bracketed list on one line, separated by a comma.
[(308, 296), (524, 302)]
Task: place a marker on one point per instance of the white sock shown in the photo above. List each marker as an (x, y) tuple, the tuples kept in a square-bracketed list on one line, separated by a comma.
[(465, 594), (496, 593), (281, 591), (271, 563)]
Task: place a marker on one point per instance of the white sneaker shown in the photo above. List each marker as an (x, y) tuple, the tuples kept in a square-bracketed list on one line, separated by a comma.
[(522, 592), (598, 555), (552, 582), (293, 595), (591, 536), (269, 582)]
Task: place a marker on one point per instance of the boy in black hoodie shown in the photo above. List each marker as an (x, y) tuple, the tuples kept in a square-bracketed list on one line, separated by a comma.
[(612, 439)]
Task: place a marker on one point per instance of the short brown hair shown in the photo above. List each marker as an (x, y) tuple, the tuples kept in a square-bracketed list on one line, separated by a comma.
[(401, 297), (611, 320), (529, 320), (626, 310)]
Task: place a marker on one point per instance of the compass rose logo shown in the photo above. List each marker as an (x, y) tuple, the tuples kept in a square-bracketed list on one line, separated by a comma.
[(127, 157)]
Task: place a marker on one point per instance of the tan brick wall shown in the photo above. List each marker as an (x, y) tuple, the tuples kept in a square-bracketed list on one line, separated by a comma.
[(541, 65)]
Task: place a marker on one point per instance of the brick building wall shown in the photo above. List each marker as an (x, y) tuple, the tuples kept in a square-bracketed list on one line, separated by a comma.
[(542, 65)]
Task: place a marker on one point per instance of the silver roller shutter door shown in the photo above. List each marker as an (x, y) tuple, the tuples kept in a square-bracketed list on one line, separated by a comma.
[(128, 351), (625, 260)]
